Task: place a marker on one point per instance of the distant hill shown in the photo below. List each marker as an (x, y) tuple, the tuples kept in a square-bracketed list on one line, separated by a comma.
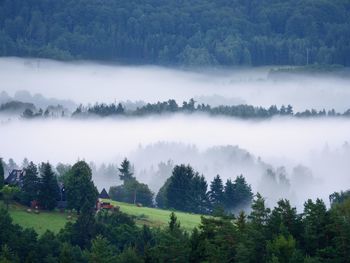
[(176, 32)]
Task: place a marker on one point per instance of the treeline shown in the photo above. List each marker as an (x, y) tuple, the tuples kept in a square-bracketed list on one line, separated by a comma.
[(29, 110), (317, 234), (40, 186), (171, 106), (244, 111), (193, 33), (185, 190)]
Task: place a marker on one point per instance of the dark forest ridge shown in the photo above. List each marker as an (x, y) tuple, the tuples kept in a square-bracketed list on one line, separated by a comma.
[(193, 33)]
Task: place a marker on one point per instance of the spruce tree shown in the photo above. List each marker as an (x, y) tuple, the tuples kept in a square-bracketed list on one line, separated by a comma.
[(199, 195), (243, 192), (48, 190), (125, 172), (229, 195), (80, 188), (30, 186), (178, 193), (216, 193)]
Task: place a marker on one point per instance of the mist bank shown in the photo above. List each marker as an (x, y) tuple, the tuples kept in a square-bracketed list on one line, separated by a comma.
[(312, 154), (87, 82)]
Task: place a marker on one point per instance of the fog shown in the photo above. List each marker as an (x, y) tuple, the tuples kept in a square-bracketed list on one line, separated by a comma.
[(87, 82), (281, 157), (224, 146)]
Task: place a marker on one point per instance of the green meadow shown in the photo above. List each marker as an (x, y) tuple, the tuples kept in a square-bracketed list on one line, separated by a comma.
[(54, 220)]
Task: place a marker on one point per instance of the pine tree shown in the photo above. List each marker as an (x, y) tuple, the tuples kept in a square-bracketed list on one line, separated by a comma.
[(102, 251), (315, 219), (178, 193), (258, 228), (125, 171), (174, 225), (243, 194), (84, 229), (200, 200), (48, 189), (285, 220), (30, 186), (229, 195), (80, 188), (216, 193)]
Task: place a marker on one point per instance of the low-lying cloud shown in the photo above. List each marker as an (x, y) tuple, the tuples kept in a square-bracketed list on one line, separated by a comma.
[(87, 82), (318, 144)]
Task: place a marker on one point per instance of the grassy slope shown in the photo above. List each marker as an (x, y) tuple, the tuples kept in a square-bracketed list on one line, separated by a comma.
[(54, 221), (158, 217)]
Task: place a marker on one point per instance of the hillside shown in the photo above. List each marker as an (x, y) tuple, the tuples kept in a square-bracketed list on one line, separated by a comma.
[(54, 221), (193, 33)]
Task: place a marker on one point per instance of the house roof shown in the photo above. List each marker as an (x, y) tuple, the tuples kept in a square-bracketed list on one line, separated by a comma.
[(15, 177), (103, 194)]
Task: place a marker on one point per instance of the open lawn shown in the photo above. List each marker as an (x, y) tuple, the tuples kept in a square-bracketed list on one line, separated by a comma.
[(54, 221), (157, 217)]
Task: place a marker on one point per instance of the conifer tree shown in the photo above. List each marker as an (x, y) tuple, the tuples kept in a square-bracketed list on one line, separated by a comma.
[(48, 189), (125, 172), (216, 193), (30, 188), (80, 188)]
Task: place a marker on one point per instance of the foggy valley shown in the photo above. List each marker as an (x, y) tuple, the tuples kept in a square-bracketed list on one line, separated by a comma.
[(175, 131), (212, 145)]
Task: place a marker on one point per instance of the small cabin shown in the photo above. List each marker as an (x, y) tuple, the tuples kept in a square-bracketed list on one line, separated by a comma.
[(103, 194), (15, 177)]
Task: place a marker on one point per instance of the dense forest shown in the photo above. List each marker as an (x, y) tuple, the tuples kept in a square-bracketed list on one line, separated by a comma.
[(280, 234), (193, 33)]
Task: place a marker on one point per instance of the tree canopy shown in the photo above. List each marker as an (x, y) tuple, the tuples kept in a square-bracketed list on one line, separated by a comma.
[(193, 33), (80, 189)]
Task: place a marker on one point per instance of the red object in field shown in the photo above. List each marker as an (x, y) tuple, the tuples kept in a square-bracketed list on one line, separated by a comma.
[(106, 205)]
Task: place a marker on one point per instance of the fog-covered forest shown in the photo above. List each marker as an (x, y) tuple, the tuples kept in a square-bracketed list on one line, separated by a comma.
[(175, 131)]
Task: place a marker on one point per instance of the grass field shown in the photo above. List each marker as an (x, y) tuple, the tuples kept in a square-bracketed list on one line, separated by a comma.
[(54, 221), (158, 217)]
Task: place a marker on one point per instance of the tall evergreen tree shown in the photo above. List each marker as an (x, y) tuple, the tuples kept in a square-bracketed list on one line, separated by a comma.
[(125, 171), (216, 193), (258, 230), (315, 220), (200, 199), (285, 220), (80, 188), (243, 192), (30, 187), (179, 190), (84, 229), (229, 195), (102, 251), (48, 189)]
